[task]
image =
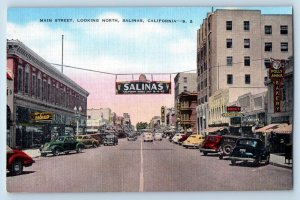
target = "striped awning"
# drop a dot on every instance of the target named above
(284, 129)
(269, 128)
(214, 129)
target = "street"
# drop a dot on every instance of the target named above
(136, 166)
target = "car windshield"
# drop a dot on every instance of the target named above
(252, 143)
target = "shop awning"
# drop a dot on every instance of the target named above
(214, 129)
(269, 128)
(8, 76)
(284, 129)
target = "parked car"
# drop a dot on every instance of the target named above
(183, 138)
(193, 141)
(16, 160)
(211, 144)
(158, 136)
(227, 144)
(148, 137)
(250, 150)
(98, 137)
(176, 137)
(63, 144)
(110, 140)
(131, 137)
(88, 141)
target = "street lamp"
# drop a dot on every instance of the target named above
(77, 115)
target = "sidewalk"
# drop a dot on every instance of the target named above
(279, 161)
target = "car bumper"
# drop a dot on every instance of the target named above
(191, 145)
(208, 150)
(241, 159)
(45, 151)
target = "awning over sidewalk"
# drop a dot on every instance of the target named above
(214, 129)
(269, 128)
(284, 129)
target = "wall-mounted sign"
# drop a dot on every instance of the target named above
(163, 114)
(42, 116)
(276, 74)
(233, 109)
(232, 114)
(143, 86)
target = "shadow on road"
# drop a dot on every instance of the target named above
(24, 173)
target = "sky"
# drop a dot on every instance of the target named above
(117, 47)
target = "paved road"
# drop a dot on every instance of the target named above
(136, 166)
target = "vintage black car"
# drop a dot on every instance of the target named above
(110, 140)
(227, 144)
(250, 150)
(63, 144)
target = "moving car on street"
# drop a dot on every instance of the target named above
(211, 144)
(193, 141)
(183, 138)
(250, 150)
(63, 144)
(148, 137)
(16, 160)
(88, 141)
(158, 136)
(110, 140)
(132, 137)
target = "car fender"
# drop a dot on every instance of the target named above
(13, 158)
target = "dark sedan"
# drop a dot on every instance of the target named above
(110, 140)
(250, 150)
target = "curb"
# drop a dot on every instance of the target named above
(281, 165)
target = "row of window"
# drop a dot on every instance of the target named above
(268, 28)
(230, 79)
(284, 47)
(42, 89)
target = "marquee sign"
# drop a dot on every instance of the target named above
(143, 86)
(233, 109)
(42, 116)
(276, 74)
(163, 114)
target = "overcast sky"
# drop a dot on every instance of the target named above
(116, 47)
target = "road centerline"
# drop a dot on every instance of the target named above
(141, 186)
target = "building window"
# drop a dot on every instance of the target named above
(246, 25)
(246, 43)
(49, 91)
(229, 43)
(247, 61)
(185, 89)
(284, 30)
(44, 90)
(268, 46)
(229, 25)
(284, 46)
(185, 79)
(229, 79)
(283, 93)
(201, 85)
(247, 79)
(205, 82)
(20, 79)
(205, 98)
(33, 85)
(267, 63)
(26, 83)
(229, 60)
(268, 30)
(39, 82)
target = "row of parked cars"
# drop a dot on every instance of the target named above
(235, 148)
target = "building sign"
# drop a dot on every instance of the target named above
(162, 114)
(276, 74)
(232, 114)
(233, 109)
(143, 86)
(42, 116)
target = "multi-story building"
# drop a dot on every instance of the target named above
(184, 82)
(187, 112)
(155, 122)
(170, 118)
(234, 48)
(9, 107)
(98, 119)
(44, 98)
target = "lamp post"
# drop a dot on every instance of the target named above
(77, 115)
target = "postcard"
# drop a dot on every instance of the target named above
(149, 99)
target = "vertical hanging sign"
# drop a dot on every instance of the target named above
(163, 114)
(276, 74)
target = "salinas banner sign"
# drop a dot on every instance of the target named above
(143, 86)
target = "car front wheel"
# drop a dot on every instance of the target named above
(17, 167)
(79, 150)
(56, 152)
